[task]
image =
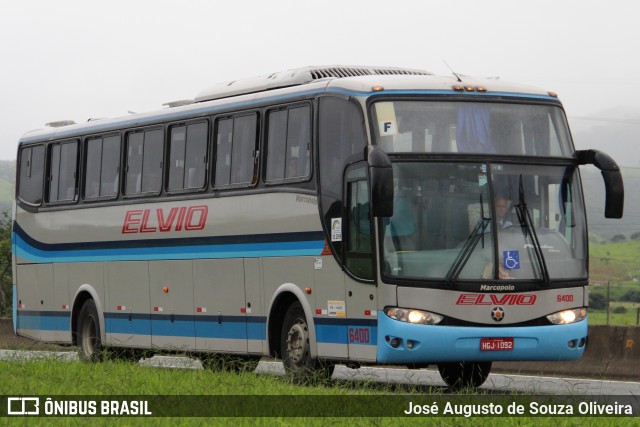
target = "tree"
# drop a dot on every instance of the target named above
(618, 238)
(6, 288)
(631, 296)
(597, 301)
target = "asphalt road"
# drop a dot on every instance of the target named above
(496, 383)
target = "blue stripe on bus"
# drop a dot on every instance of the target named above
(329, 331)
(44, 320)
(335, 330)
(248, 246)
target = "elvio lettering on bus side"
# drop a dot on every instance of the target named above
(178, 218)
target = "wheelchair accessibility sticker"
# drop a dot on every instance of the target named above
(511, 260)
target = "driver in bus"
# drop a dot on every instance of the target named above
(502, 212)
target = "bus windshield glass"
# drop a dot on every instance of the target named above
(484, 221)
(471, 127)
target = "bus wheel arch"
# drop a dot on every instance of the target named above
(83, 294)
(286, 296)
(295, 342)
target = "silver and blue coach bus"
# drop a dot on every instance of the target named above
(357, 215)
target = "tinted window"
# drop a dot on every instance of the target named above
(102, 167)
(31, 173)
(63, 162)
(341, 135)
(236, 150)
(288, 143)
(144, 162)
(187, 156)
(359, 257)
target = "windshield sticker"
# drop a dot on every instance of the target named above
(336, 229)
(387, 122)
(511, 260)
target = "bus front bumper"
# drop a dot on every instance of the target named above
(433, 343)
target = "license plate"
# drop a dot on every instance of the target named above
(496, 344)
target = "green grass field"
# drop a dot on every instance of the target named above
(615, 262)
(55, 378)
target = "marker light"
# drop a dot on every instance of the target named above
(555, 95)
(568, 316)
(377, 88)
(481, 89)
(413, 316)
(458, 88)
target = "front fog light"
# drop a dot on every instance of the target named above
(413, 316)
(568, 316)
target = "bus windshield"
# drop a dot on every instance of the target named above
(485, 221)
(471, 127)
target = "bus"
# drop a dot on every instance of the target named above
(322, 215)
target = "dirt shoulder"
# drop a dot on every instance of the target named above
(10, 341)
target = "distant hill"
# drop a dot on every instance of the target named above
(593, 187)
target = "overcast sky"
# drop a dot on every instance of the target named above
(74, 60)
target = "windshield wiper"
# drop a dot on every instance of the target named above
(476, 235)
(524, 216)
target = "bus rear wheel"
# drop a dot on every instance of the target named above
(89, 339)
(296, 352)
(459, 375)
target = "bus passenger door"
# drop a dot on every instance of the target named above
(361, 304)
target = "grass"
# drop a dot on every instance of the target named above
(599, 317)
(55, 378)
(615, 262)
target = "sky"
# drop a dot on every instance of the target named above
(77, 60)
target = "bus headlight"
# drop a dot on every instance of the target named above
(568, 316)
(410, 315)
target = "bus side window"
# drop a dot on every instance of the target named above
(236, 151)
(358, 253)
(63, 163)
(144, 162)
(31, 174)
(102, 167)
(187, 156)
(288, 143)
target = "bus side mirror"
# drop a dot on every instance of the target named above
(381, 175)
(614, 202)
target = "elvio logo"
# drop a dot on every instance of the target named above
(23, 406)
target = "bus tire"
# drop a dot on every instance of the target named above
(296, 352)
(460, 375)
(89, 339)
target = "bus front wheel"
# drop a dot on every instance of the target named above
(295, 349)
(89, 332)
(459, 375)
